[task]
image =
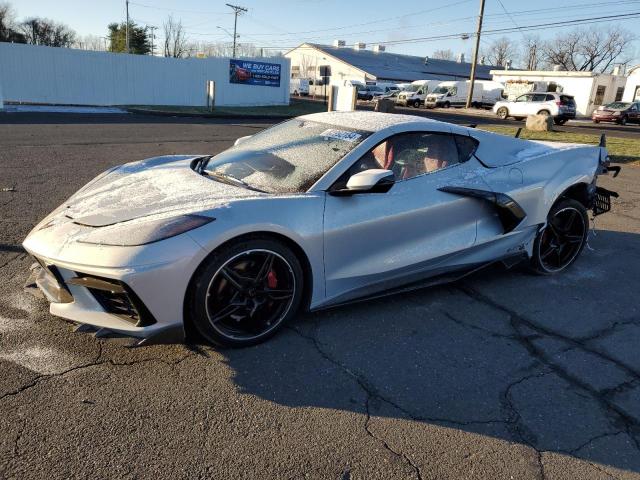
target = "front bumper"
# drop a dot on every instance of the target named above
(140, 297)
(607, 118)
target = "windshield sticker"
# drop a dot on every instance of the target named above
(341, 135)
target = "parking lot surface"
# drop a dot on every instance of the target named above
(502, 375)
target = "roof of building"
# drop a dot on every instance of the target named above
(394, 66)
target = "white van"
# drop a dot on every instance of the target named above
(416, 94)
(299, 86)
(454, 94)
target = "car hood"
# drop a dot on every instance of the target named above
(155, 186)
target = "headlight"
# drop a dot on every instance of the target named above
(615, 114)
(136, 232)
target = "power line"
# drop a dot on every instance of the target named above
(200, 12)
(509, 15)
(580, 21)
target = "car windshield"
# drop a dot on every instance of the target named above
(441, 90)
(618, 105)
(286, 158)
(413, 88)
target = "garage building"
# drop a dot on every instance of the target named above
(327, 64)
(632, 90)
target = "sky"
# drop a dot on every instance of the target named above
(284, 24)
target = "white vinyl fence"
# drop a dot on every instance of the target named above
(35, 74)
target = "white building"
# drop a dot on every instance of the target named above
(632, 90)
(336, 63)
(589, 89)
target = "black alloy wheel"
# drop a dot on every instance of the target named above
(623, 120)
(246, 293)
(560, 242)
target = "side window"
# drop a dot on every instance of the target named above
(550, 98)
(411, 154)
(466, 147)
(524, 98)
(539, 97)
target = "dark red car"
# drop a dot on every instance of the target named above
(618, 112)
(239, 74)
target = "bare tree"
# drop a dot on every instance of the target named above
(443, 54)
(42, 31)
(500, 51)
(593, 49)
(307, 66)
(8, 27)
(532, 54)
(221, 49)
(91, 42)
(175, 39)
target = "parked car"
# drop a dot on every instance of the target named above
(299, 86)
(369, 92)
(560, 106)
(618, 112)
(356, 204)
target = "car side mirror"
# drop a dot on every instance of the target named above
(241, 140)
(374, 180)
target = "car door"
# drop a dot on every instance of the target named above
(376, 241)
(634, 113)
(519, 106)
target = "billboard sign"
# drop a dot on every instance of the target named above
(248, 72)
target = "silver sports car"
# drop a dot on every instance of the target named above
(317, 211)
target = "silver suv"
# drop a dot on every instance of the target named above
(560, 106)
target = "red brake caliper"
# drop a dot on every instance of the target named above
(272, 280)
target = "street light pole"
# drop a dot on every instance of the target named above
(237, 10)
(126, 28)
(474, 61)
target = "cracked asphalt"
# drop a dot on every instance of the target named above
(503, 375)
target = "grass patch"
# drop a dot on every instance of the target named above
(296, 108)
(621, 150)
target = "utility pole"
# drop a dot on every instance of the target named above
(474, 62)
(152, 28)
(237, 10)
(126, 28)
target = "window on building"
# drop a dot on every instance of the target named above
(619, 94)
(600, 95)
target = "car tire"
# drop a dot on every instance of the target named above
(559, 121)
(446, 105)
(623, 121)
(234, 278)
(295, 92)
(596, 121)
(502, 113)
(562, 239)
(416, 104)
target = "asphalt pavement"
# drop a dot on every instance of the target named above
(503, 375)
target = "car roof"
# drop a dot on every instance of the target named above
(369, 121)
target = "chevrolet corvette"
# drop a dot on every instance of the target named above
(314, 212)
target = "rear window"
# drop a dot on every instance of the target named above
(567, 99)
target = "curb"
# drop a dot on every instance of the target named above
(161, 113)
